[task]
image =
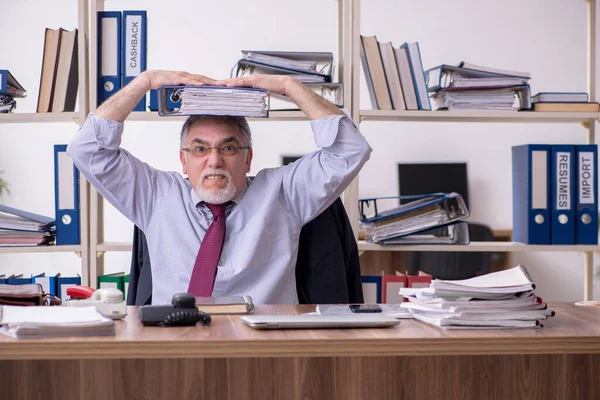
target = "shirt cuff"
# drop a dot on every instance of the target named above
(326, 129)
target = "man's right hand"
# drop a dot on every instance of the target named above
(122, 103)
(157, 78)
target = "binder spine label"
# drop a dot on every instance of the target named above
(133, 26)
(586, 177)
(563, 181)
(539, 180)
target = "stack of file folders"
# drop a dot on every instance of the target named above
(314, 69)
(427, 219)
(9, 90)
(213, 100)
(21, 228)
(503, 299)
(473, 87)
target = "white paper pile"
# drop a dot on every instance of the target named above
(496, 300)
(243, 102)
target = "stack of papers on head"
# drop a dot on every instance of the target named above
(43, 322)
(495, 300)
(214, 100)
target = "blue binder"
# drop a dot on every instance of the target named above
(109, 54)
(531, 193)
(7, 79)
(48, 283)
(586, 218)
(66, 197)
(562, 165)
(153, 105)
(18, 280)
(134, 45)
(64, 282)
(370, 282)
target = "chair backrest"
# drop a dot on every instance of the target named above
(327, 267)
(454, 264)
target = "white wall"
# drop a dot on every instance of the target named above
(544, 37)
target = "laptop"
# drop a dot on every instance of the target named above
(318, 321)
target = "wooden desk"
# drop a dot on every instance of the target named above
(229, 360)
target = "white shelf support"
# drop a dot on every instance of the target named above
(588, 276)
(591, 50)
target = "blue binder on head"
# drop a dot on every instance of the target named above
(531, 193)
(134, 45)
(171, 104)
(562, 165)
(109, 54)
(66, 197)
(586, 218)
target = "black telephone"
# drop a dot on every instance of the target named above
(181, 312)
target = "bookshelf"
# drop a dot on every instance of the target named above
(99, 247)
(587, 120)
(48, 121)
(349, 72)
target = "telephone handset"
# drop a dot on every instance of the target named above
(108, 301)
(181, 312)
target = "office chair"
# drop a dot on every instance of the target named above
(454, 265)
(327, 266)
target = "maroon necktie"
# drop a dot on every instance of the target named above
(205, 267)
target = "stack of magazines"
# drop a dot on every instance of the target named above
(474, 87)
(22, 228)
(503, 299)
(426, 219)
(214, 100)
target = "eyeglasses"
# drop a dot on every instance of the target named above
(226, 150)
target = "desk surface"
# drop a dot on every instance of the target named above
(573, 330)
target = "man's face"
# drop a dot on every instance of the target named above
(216, 178)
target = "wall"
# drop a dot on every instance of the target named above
(546, 38)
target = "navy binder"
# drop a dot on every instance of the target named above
(562, 165)
(6, 80)
(109, 54)
(171, 105)
(66, 197)
(64, 282)
(531, 193)
(586, 219)
(134, 45)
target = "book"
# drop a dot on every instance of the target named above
(67, 73)
(225, 305)
(52, 38)
(560, 97)
(566, 107)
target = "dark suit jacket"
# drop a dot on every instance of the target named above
(327, 267)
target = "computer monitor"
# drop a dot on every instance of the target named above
(433, 178)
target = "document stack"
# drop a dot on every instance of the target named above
(474, 87)
(214, 100)
(314, 69)
(9, 90)
(21, 322)
(503, 299)
(427, 219)
(21, 228)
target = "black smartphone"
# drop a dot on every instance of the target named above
(365, 308)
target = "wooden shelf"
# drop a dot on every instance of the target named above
(478, 116)
(150, 116)
(41, 249)
(19, 118)
(114, 246)
(479, 246)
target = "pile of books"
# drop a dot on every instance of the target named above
(563, 102)
(425, 219)
(395, 76)
(21, 228)
(314, 69)
(9, 90)
(503, 299)
(473, 87)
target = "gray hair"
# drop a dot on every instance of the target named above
(240, 122)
